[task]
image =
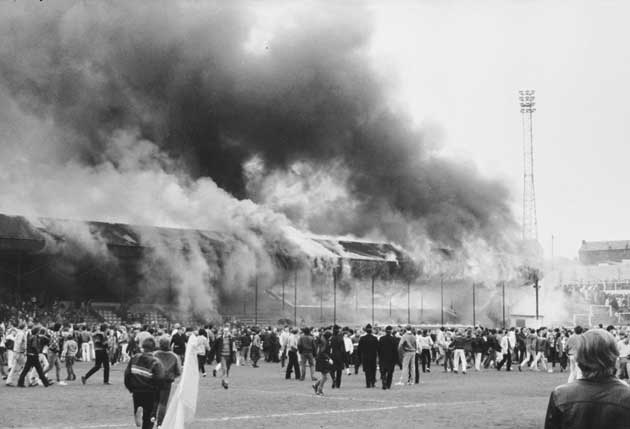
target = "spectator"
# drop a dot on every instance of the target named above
(599, 399)
(624, 355)
(34, 348)
(172, 369)
(144, 377)
(69, 353)
(102, 359)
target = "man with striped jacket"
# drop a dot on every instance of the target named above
(143, 378)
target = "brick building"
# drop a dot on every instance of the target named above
(603, 252)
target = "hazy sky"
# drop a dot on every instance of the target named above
(460, 64)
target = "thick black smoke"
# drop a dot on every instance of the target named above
(182, 76)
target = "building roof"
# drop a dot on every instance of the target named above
(42, 230)
(593, 246)
(359, 250)
(18, 228)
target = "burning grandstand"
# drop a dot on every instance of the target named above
(125, 263)
(248, 160)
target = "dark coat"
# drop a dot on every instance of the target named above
(322, 360)
(275, 342)
(397, 342)
(34, 345)
(478, 345)
(493, 343)
(387, 352)
(266, 341)
(587, 404)
(338, 351)
(368, 349)
(144, 373)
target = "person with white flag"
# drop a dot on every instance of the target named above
(172, 370)
(183, 403)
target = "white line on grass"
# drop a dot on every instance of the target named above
(284, 415)
(310, 395)
(341, 411)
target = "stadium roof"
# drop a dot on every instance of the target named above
(39, 231)
(17, 228)
(360, 250)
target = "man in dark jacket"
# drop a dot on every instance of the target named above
(387, 357)
(178, 343)
(493, 347)
(144, 377)
(275, 346)
(33, 349)
(307, 349)
(100, 352)
(368, 350)
(172, 370)
(245, 340)
(597, 400)
(460, 341)
(356, 359)
(519, 351)
(338, 354)
(266, 339)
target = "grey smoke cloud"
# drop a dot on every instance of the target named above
(183, 76)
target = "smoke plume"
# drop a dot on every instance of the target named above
(228, 116)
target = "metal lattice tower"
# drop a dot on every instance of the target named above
(530, 223)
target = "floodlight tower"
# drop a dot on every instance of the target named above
(530, 224)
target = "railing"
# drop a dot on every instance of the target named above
(600, 309)
(623, 317)
(599, 314)
(614, 284)
(581, 319)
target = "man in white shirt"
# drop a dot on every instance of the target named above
(291, 347)
(424, 344)
(441, 345)
(347, 342)
(19, 354)
(506, 351)
(574, 370)
(284, 338)
(624, 354)
(407, 348)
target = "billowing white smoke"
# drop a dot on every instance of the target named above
(137, 185)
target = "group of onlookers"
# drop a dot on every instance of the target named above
(458, 350)
(598, 294)
(29, 351)
(593, 397)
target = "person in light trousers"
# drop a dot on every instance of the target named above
(459, 356)
(407, 349)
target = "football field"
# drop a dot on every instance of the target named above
(261, 397)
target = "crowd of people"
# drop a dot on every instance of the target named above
(154, 355)
(599, 294)
(414, 351)
(55, 311)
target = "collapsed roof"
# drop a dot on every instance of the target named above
(34, 235)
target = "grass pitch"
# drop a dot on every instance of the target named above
(261, 397)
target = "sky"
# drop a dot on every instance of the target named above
(457, 68)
